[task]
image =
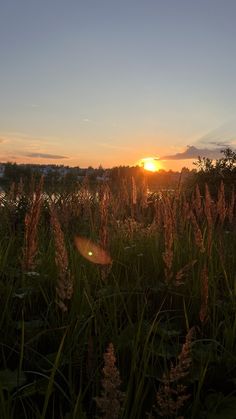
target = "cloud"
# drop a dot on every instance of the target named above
(220, 144)
(210, 144)
(223, 135)
(24, 138)
(46, 156)
(193, 152)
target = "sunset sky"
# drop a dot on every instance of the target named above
(113, 81)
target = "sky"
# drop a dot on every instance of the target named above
(90, 82)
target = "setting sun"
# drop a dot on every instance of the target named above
(150, 164)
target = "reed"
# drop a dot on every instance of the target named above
(168, 253)
(209, 217)
(30, 248)
(110, 402)
(230, 210)
(172, 393)
(221, 205)
(64, 286)
(170, 266)
(197, 202)
(204, 295)
(197, 233)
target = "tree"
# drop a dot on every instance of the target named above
(213, 172)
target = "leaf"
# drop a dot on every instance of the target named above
(39, 386)
(220, 406)
(169, 329)
(11, 379)
(23, 292)
(30, 325)
(205, 352)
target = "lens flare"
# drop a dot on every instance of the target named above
(91, 251)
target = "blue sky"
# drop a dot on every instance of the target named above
(104, 81)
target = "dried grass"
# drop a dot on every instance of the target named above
(64, 287)
(168, 254)
(172, 394)
(209, 209)
(30, 249)
(230, 211)
(197, 233)
(221, 205)
(197, 203)
(110, 402)
(204, 295)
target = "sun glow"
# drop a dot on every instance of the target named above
(150, 164)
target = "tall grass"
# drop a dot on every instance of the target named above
(83, 269)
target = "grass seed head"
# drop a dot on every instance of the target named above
(64, 287)
(111, 400)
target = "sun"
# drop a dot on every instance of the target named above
(150, 164)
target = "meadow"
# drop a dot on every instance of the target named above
(117, 303)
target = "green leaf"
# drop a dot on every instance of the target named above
(11, 379)
(21, 293)
(220, 407)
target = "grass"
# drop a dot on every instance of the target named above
(173, 270)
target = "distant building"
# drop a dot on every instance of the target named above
(104, 178)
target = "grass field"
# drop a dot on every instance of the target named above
(115, 305)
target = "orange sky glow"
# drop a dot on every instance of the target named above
(22, 148)
(150, 164)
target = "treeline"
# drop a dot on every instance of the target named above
(68, 178)
(64, 178)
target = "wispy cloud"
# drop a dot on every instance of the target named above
(45, 156)
(20, 145)
(22, 137)
(193, 153)
(223, 135)
(222, 144)
(209, 145)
